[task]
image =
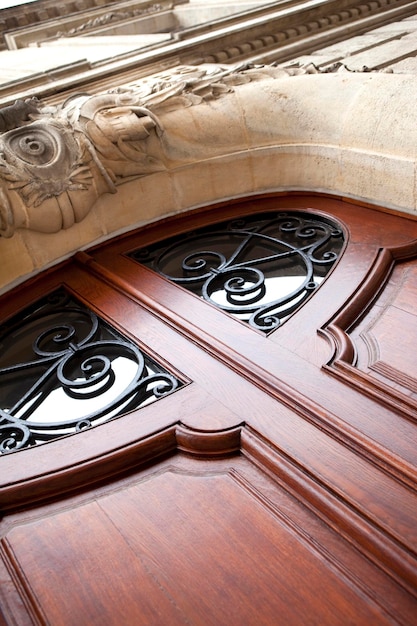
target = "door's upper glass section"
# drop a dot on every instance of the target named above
(63, 369)
(260, 269)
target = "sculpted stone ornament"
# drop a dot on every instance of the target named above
(55, 162)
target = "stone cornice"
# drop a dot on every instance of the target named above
(293, 29)
(85, 21)
(302, 36)
(36, 12)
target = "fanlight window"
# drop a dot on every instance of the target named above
(63, 369)
(260, 268)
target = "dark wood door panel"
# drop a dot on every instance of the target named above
(378, 352)
(347, 474)
(275, 368)
(277, 485)
(195, 542)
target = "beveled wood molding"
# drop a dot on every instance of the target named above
(342, 362)
(336, 330)
(206, 444)
(361, 530)
(41, 487)
(371, 539)
(45, 472)
(365, 295)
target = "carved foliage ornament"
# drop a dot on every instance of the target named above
(41, 161)
(55, 162)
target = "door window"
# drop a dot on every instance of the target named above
(260, 268)
(63, 369)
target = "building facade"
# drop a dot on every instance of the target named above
(276, 482)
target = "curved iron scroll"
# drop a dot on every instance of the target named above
(260, 268)
(63, 369)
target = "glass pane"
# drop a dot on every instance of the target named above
(260, 268)
(63, 369)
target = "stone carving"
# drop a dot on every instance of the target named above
(41, 158)
(54, 165)
(55, 162)
(357, 11)
(111, 17)
(12, 116)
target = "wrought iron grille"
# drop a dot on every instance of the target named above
(63, 369)
(260, 268)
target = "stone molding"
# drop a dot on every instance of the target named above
(297, 31)
(84, 22)
(55, 162)
(299, 26)
(112, 17)
(24, 15)
(185, 139)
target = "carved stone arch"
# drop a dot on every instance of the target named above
(174, 142)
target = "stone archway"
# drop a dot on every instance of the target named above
(176, 141)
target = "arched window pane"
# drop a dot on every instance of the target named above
(63, 369)
(260, 268)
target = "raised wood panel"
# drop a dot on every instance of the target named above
(390, 333)
(390, 343)
(378, 352)
(199, 543)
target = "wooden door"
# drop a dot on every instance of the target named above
(276, 485)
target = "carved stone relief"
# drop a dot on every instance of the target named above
(112, 17)
(55, 162)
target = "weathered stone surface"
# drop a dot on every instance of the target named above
(384, 54)
(344, 133)
(345, 51)
(55, 162)
(406, 66)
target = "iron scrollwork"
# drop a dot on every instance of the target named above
(63, 369)
(260, 269)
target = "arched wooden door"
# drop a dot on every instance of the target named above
(275, 485)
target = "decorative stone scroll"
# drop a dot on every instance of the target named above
(56, 161)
